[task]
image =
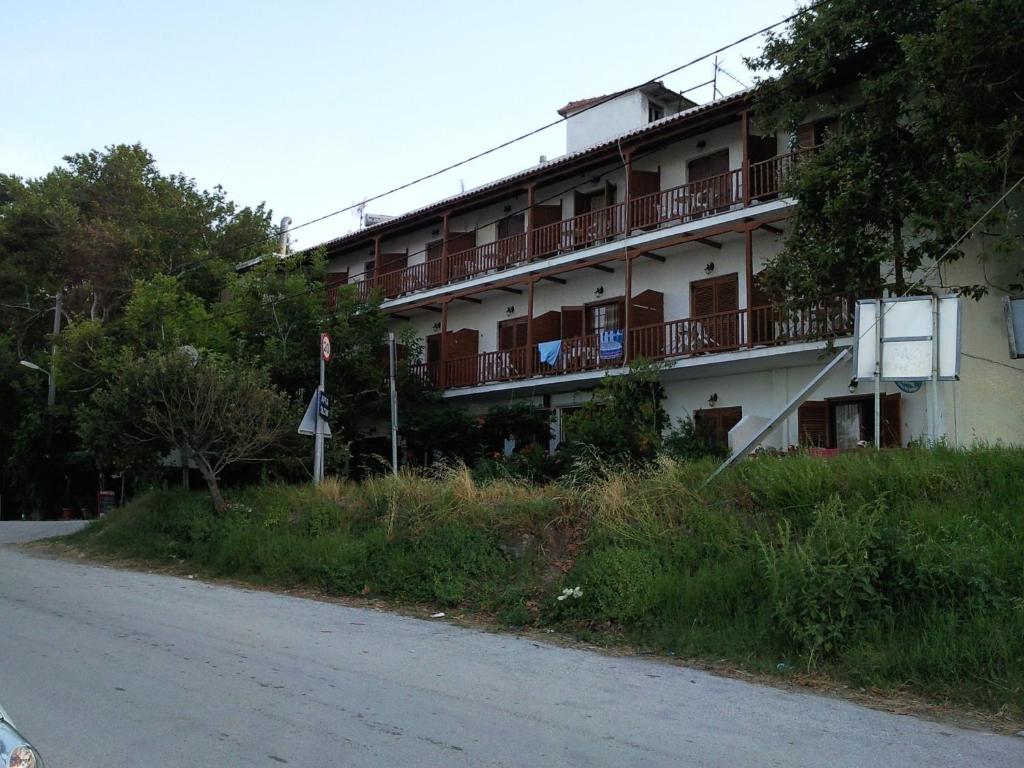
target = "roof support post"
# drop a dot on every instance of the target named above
(627, 346)
(442, 374)
(529, 326)
(377, 259)
(445, 268)
(748, 261)
(530, 189)
(745, 173)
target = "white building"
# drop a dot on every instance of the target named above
(646, 240)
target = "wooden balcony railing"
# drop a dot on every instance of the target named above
(681, 204)
(767, 325)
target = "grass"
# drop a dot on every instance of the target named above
(899, 571)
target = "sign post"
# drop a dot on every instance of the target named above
(322, 411)
(394, 404)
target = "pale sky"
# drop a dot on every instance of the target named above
(313, 106)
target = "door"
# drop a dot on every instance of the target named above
(765, 177)
(435, 252)
(510, 245)
(709, 183)
(512, 334)
(546, 234)
(645, 205)
(763, 315)
(715, 423)
(714, 313)
(460, 253)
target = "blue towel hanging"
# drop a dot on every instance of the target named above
(550, 351)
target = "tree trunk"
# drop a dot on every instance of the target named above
(211, 482)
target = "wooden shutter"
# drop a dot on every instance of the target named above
(727, 294)
(706, 167)
(812, 423)
(461, 241)
(547, 327)
(572, 322)
(702, 298)
(433, 347)
(548, 240)
(546, 214)
(435, 249)
(715, 423)
(506, 336)
(609, 193)
(643, 183)
(462, 343)
(390, 262)
(511, 226)
(519, 337)
(805, 135)
(892, 430)
(648, 309)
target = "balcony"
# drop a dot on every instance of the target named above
(668, 207)
(764, 326)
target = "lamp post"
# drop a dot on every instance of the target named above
(51, 395)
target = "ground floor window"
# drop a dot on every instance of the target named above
(715, 423)
(846, 422)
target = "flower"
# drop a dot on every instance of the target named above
(570, 592)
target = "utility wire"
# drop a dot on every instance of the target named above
(509, 142)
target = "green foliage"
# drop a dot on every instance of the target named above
(903, 569)
(624, 419)
(929, 135)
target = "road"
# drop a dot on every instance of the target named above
(106, 667)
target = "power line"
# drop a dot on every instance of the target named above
(509, 142)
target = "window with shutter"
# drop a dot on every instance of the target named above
(715, 423)
(606, 316)
(572, 322)
(512, 334)
(812, 423)
(892, 431)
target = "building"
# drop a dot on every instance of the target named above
(645, 240)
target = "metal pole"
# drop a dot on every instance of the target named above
(394, 404)
(934, 384)
(318, 433)
(878, 374)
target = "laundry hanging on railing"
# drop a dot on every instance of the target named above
(610, 345)
(550, 351)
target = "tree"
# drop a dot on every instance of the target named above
(218, 413)
(930, 96)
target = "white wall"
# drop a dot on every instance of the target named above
(606, 121)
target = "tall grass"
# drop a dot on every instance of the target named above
(903, 569)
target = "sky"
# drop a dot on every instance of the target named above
(313, 106)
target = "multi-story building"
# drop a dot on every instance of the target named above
(645, 240)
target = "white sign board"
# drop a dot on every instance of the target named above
(910, 335)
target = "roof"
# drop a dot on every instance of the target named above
(655, 89)
(652, 128)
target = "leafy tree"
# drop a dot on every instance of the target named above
(217, 412)
(625, 418)
(929, 134)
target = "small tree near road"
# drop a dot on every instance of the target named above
(217, 412)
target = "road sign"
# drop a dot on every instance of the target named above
(310, 423)
(325, 406)
(325, 347)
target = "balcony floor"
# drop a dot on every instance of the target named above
(754, 360)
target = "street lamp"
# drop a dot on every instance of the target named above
(51, 396)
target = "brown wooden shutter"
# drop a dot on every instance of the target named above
(609, 193)
(506, 336)
(511, 226)
(805, 135)
(892, 430)
(648, 309)
(519, 336)
(702, 299)
(812, 423)
(643, 183)
(547, 327)
(389, 262)
(572, 322)
(580, 203)
(433, 347)
(462, 343)
(546, 214)
(461, 241)
(435, 249)
(727, 294)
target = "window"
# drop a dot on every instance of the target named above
(715, 423)
(607, 316)
(843, 422)
(654, 111)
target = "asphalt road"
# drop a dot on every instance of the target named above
(106, 667)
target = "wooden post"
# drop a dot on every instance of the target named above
(377, 259)
(627, 156)
(529, 326)
(529, 223)
(445, 269)
(748, 243)
(442, 374)
(627, 346)
(745, 173)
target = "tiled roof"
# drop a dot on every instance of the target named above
(538, 170)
